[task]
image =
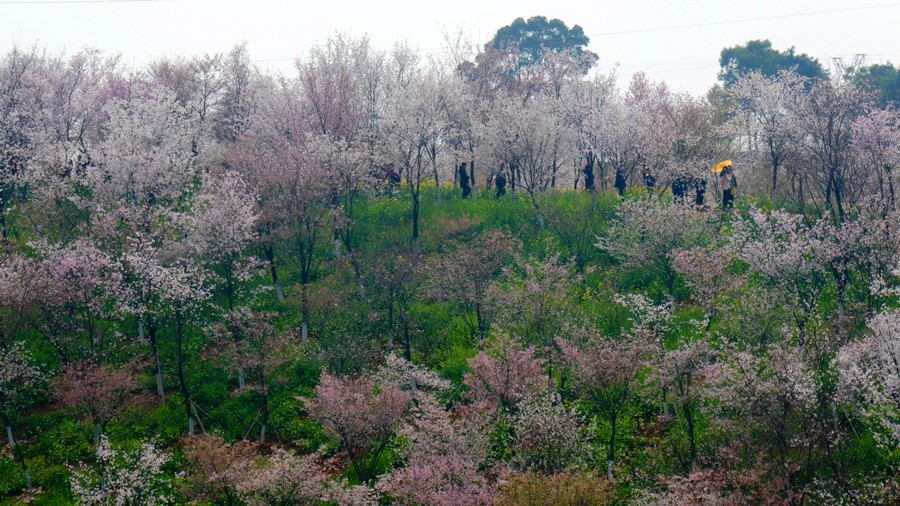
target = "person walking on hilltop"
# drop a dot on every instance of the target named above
(588, 172)
(620, 183)
(729, 187)
(500, 180)
(464, 180)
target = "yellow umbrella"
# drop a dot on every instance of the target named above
(721, 166)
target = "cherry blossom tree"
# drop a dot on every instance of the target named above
(443, 453)
(773, 401)
(97, 391)
(220, 228)
(261, 349)
(876, 144)
(215, 467)
(362, 418)
(548, 436)
(608, 374)
(400, 278)
(124, 477)
(76, 301)
(771, 105)
(170, 293)
(687, 373)
(14, 95)
(464, 278)
(289, 163)
(17, 374)
(504, 374)
(706, 272)
(790, 258)
(646, 231)
(532, 306)
(409, 132)
(869, 375)
(826, 117)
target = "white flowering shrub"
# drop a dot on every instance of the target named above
(124, 478)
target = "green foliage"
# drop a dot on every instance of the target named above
(758, 55)
(531, 37)
(882, 79)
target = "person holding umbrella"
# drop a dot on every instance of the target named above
(729, 182)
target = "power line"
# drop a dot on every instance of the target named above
(64, 2)
(743, 20)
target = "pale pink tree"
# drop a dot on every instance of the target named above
(790, 258)
(361, 417)
(168, 293)
(124, 477)
(287, 164)
(409, 132)
(282, 479)
(706, 272)
(869, 376)
(14, 95)
(220, 228)
(654, 113)
(534, 141)
(876, 145)
(66, 111)
(97, 392)
(442, 453)
(401, 279)
(548, 436)
(826, 117)
(17, 374)
(505, 373)
(261, 350)
(336, 90)
(76, 301)
(619, 138)
(533, 305)
(608, 374)
(646, 231)
(772, 400)
(214, 467)
(464, 278)
(687, 373)
(770, 105)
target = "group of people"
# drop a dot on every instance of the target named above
(681, 185)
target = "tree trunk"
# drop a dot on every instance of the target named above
(270, 256)
(15, 445)
(472, 179)
(182, 382)
(415, 232)
(304, 309)
(612, 448)
(265, 419)
(151, 330)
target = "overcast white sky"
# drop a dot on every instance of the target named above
(277, 31)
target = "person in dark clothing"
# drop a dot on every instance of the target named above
(588, 171)
(679, 189)
(464, 180)
(501, 185)
(699, 192)
(729, 187)
(649, 180)
(620, 182)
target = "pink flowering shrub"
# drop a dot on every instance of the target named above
(504, 374)
(361, 416)
(548, 437)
